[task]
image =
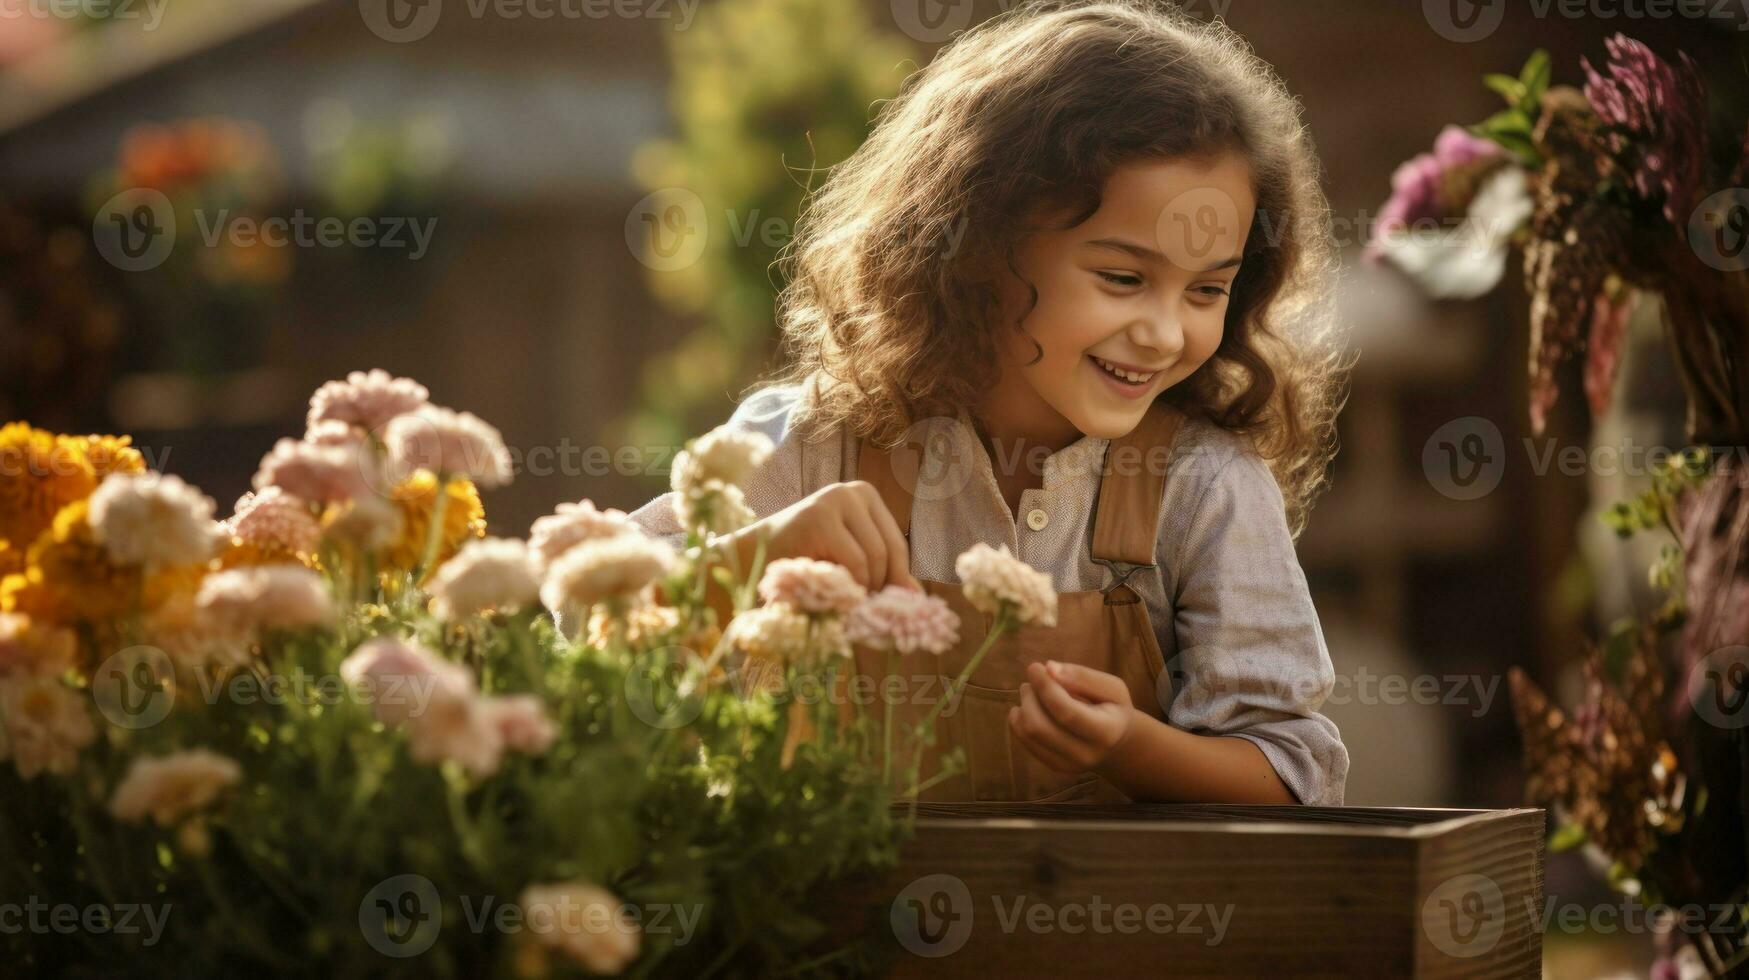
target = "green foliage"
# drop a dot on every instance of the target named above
(766, 94)
(1512, 126)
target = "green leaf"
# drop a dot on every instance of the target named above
(1566, 838)
(1511, 89)
(1535, 75)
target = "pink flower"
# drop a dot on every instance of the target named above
(491, 573)
(266, 597)
(811, 585)
(368, 400)
(522, 722)
(994, 579)
(323, 473)
(1417, 186)
(271, 516)
(571, 525)
(904, 620)
(448, 443)
(583, 921)
(168, 788)
(399, 679)
(44, 723)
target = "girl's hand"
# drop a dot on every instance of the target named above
(846, 523)
(1071, 718)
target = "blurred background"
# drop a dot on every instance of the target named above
(559, 215)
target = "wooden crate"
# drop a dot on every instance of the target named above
(998, 890)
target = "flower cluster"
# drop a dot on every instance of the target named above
(706, 479)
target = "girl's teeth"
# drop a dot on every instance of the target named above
(1130, 376)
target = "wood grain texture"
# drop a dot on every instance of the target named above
(1096, 891)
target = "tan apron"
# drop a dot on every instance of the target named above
(1106, 630)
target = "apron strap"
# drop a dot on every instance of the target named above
(1130, 491)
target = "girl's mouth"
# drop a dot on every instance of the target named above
(1127, 383)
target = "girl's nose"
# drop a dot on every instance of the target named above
(1161, 330)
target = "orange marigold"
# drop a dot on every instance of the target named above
(107, 454)
(74, 573)
(464, 517)
(39, 475)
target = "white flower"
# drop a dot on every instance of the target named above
(780, 632)
(993, 579)
(271, 516)
(811, 585)
(903, 620)
(490, 573)
(605, 568)
(46, 722)
(571, 525)
(327, 473)
(332, 432)
(267, 597)
(368, 400)
(585, 922)
(194, 640)
(712, 507)
(152, 519)
(1469, 260)
(723, 454)
(449, 443)
(168, 788)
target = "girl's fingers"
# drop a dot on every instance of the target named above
(1037, 725)
(1050, 757)
(847, 551)
(1079, 718)
(1087, 683)
(898, 552)
(873, 545)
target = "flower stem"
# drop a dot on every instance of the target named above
(434, 534)
(1001, 624)
(887, 725)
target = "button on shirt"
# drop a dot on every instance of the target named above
(1227, 598)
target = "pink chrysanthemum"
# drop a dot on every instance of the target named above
(448, 442)
(811, 585)
(272, 517)
(322, 473)
(904, 620)
(571, 525)
(995, 578)
(366, 399)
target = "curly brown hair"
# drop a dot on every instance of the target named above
(1030, 112)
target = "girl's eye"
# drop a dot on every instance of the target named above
(1214, 293)
(1120, 278)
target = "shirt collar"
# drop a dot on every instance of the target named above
(1080, 460)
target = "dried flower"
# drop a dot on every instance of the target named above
(448, 443)
(46, 723)
(368, 400)
(264, 597)
(813, 586)
(903, 620)
(492, 573)
(605, 569)
(152, 520)
(275, 521)
(571, 525)
(1657, 115)
(171, 787)
(584, 922)
(994, 580)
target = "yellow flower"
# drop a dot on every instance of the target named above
(464, 517)
(33, 648)
(107, 454)
(240, 553)
(39, 475)
(74, 574)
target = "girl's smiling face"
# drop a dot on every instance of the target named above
(1140, 288)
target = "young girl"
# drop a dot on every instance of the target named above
(1071, 297)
